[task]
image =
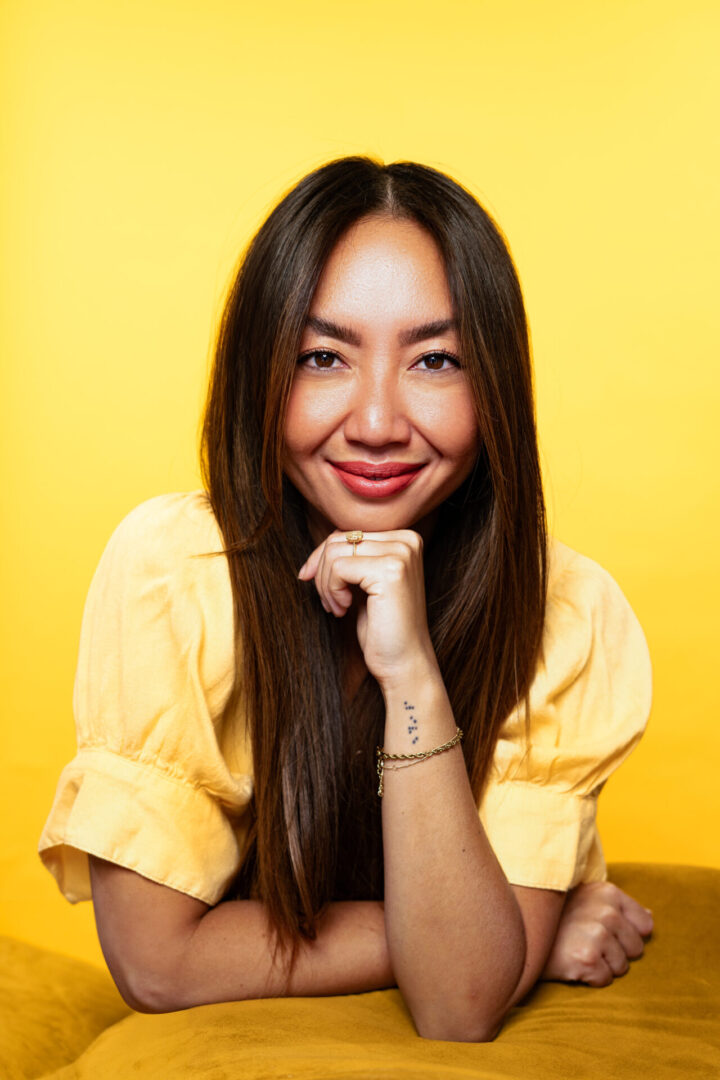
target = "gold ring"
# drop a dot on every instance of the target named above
(355, 537)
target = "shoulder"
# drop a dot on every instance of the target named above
(589, 622)
(169, 528)
(580, 590)
(583, 590)
(161, 592)
(166, 554)
(576, 578)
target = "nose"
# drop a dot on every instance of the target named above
(376, 412)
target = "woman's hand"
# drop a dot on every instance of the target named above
(601, 929)
(392, 626)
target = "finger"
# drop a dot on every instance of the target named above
(613, 919)
(615, 955)
(640, 917)
(601, 953)
(333, 583)
(340, 572)
(336, 600)
(412, 539)
(407, 536)
(600, 974)
(362, 571)
(630, 938)
(309, 567)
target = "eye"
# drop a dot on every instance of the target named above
(322, 359)
(438, 361)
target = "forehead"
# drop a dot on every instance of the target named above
(383, 265)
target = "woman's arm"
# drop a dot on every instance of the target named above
(463, 948)
(456, 933)
(439, 861)
(167, 951)
(163, 959)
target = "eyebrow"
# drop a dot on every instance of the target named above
(408, 337)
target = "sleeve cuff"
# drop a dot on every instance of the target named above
(132, 814)
(542, 838)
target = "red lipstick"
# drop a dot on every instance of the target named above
(375, 480)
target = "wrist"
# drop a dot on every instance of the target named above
(418, 715)
(419, 675)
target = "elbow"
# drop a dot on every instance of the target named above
(149, 996)
(474, 1014)
(467, 1020)
(147, 991)
(458, 1029)
(150, 980)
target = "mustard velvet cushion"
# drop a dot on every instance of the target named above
(51, 1008)
(660, 1021)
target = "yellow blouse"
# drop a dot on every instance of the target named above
(160, 785)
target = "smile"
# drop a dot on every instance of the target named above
(376, 480)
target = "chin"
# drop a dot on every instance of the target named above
(378, 519)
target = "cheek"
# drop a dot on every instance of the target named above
(451, 426)
(309, 419)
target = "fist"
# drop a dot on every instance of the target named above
(601, 930)
(386, 577)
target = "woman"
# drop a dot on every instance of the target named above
(294, 693)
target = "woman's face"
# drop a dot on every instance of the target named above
(381, 425)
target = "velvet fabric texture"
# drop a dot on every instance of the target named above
(660, 1021)
(51, 1009)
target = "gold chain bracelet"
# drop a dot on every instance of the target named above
(382, 757)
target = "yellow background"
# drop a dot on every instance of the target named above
(143, 142)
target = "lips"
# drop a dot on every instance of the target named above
(374, 471)
(376, 480)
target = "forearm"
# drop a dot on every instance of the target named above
(227, 955)
(455, 931)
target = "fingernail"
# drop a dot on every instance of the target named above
(649, 910)
(301, 571)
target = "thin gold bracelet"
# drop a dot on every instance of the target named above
(382, 757)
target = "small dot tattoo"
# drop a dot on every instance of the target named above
(413, 726)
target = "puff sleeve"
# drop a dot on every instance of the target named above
(150, 787)
(589, 705)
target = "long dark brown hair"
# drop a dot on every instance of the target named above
(315, 834)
